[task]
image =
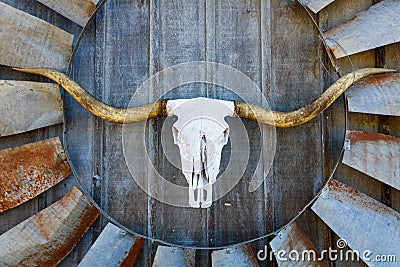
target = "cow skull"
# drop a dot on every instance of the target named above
(200, 132)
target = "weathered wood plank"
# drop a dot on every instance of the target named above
(29, 42)
(169, 256)
(352, 214)
(355, 35)
(374, 154)
(29, 170)
(241, 256)
(292, 238)
(47, 237)
(27, 106)
(376, 95)
(78, 11)
(316, 5)
(114, 247)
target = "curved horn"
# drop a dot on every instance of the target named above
(98, 108)
(310, 111)
(242, 110)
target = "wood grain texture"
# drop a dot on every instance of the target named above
(340, 204)
(316, 5)
(27, 41)
(355, 35)
(26, 106)
(78, 11)
(376, 95)
(46, 238)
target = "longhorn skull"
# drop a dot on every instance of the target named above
(201, 131)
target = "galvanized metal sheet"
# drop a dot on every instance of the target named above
(29, 170)
(27, 106)
(375, 154)
(356, 35)
(364, 223)
(28, 42)
(378, 94)
(241, 256)
(78, 11)
(174, 257)
(114, 247)
(290, 239)
(316, 5)
(47, 237)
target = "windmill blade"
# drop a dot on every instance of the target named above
(29, 170)
(374, 154)
(241, 256)
(169, 256)
(356, 35)
(378, 94)
(365, 224)
(79, 11)
(316, 5)
(292, 238)
(114, 247)
(27, 106)
(29, 42)
(47, 237)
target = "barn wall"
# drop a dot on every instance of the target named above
(275, 44)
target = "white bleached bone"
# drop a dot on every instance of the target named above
(200, 132)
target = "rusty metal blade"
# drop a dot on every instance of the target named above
(169, 256)
(26, 106)
(364, 223)
(47, 237)
(377, 155)
(378, 94)
(29, 170)
(292, 238)
(241, 256)
(114, 247)
(78, 11)
(29, 42)
(356, 35)
(316, 5)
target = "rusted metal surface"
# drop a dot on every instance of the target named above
(26, 106)
(78, 11)
(377, 155)
(364, 223)
(114, 247)
(26, 41)
(356, 36)
(376, 95)
(241, 256)
(47, 237)
(292, 238)
(171, 257)
(316, 5)
(29, 170)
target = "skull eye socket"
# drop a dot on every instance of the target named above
(175, 134)
(225, 136)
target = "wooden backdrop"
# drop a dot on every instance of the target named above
(275, 44)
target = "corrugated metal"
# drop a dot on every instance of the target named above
(356, 35)
(364, 223)
(377, 155)
(241, 256)
(378, 94)
(26, 106)
(47, 237)
(29, 170)
(78, 11)
(292, 238)
(174, 257)
(114, 247)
